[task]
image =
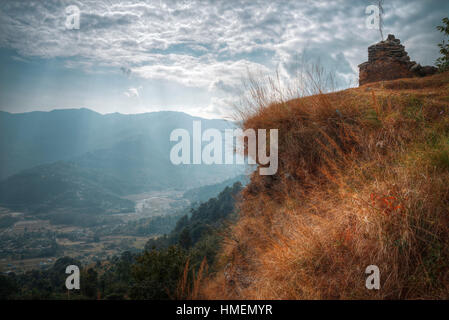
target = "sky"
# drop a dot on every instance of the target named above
(189, 55)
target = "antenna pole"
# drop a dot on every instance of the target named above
(381, 12)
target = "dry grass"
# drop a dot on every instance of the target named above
(189, 288)
(363, 179)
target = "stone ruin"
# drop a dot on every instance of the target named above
(388, 60)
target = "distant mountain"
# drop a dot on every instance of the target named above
(80, 159)
(34, 138)
(61, 186)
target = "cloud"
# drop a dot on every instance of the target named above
(126, 71)
(221, 86)
(133, 92)
(212, 44)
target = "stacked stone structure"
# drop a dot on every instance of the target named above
(388, 60)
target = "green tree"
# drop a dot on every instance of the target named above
(443, 61)
(8, 287)
(89, 283)
(182, 223)
(184, 239)
(156, 273)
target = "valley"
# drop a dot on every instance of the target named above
(29, 242)
(96, 186)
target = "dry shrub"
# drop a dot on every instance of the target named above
(362, 180)
(188, 287)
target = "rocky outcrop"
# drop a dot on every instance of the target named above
(388, 60)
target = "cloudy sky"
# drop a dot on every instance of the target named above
(188, 55)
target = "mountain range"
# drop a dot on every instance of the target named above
(83, 160)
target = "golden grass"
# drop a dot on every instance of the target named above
(189, 289)
(363, 179)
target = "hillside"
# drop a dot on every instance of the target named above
(204, 193)
(362, 180)
(62, 186)
(203, 220)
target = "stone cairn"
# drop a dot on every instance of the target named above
(388, 60)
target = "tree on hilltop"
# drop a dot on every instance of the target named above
(443, 61)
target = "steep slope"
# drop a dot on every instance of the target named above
(362, 180)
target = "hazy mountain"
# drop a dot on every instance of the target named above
(63, 185)
(34, 138)
(82, 159)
